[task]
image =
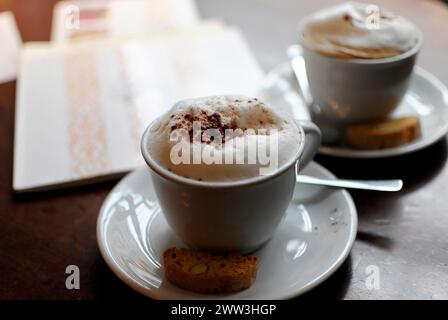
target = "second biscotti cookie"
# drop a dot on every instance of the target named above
(384, 134)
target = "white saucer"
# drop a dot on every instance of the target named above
(427, 98)
(312, 241)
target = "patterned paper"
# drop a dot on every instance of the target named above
(77, 19)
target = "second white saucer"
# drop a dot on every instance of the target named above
(426, 98)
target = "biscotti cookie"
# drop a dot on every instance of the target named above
(383, 134)
(205, 272)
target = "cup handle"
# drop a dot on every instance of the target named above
(312, 142)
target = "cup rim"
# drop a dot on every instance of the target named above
(411, 52)
(173, 177)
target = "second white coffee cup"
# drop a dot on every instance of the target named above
(349, 91)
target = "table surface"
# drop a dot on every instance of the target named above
(403, 234)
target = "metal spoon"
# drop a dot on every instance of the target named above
(298, 67)
(374, 185)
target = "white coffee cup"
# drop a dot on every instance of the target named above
(238, 215)
(348, 91)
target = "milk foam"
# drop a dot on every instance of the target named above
(354, 29)
(224, 112)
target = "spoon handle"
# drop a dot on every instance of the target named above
(374, 185)
(297, 61)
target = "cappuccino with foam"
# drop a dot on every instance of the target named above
(223, 138)
(359, 31)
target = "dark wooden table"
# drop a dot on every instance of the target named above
(403, 234)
